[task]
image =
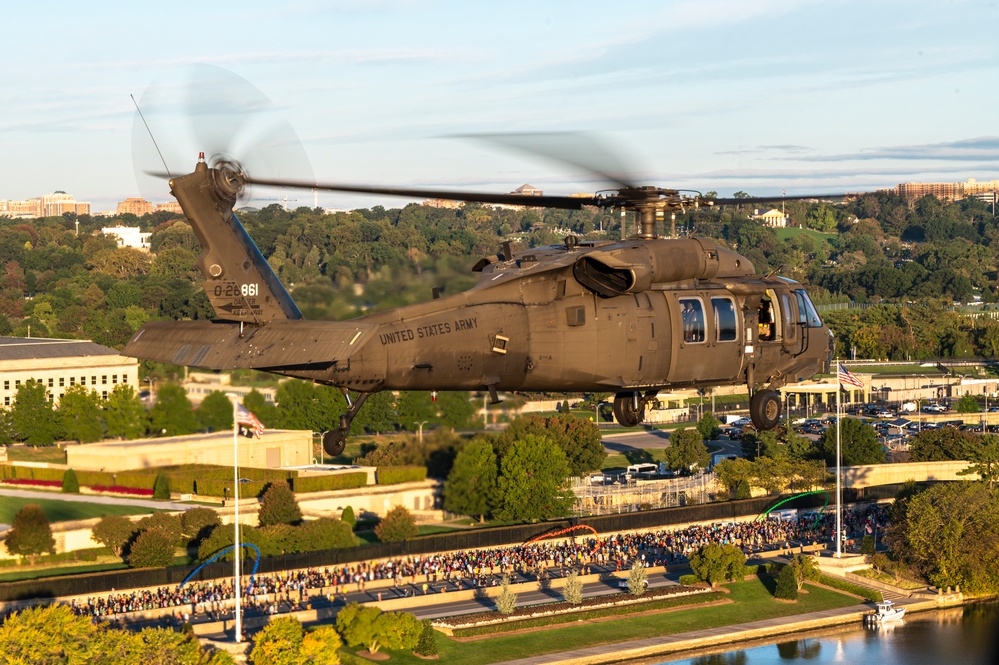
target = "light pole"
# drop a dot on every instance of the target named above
(420, 424)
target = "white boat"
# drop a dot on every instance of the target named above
(886, 612)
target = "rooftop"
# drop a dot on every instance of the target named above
(26, 348)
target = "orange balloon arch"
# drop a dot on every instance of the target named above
(553, 534)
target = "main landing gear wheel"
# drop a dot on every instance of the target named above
(334, 441)
(764, 409)
(629, 408)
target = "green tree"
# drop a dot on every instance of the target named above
(714, 563)
(786, 589)
(215, 412)
(197, 523)
(325, 533)
(152, 548)
(70, 483)
(357, 624)
(805, 568)
(114, 531)
(985, 461)
(470, 488)
(578, 439)
(284, 642)
(279, 506)
(397, 525)
(572, 592)
(47, 634)
(709, 426)
(944, 443)
(687, 450)
(33, 419)
(81, 415)
(172, 414)
(532, 482)
(171, 525)
(427, 646)
(967, 404)
(858, 443)
(733, 473)
(949, 533)
(30, 533)
(124, 413)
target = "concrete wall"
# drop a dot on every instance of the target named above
(891, 474)
(286, 447)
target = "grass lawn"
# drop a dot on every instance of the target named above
(63, 511)
(48, 454)
(53, 571)
(752, 601)
(817, 236)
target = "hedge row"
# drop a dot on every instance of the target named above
(223, 488)
(393, 475)
(10, 472)
(340, 481)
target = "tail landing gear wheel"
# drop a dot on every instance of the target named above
(334, 441)
(629, 409)
(764, 409)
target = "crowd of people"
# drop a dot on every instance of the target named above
(483, 567)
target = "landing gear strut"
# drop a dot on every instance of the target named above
(629, 408)
(764, 409)
(335, 440)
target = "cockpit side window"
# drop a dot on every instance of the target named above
(806, 311)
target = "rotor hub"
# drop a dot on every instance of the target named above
(228, 176)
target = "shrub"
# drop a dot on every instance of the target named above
(30, 533)
(70, 483)
(393, 475)
(169, 524)
(348, 516)
(152, 548)
(573, 591)
(397, 525)
(278, 506)
(427, 646)
(637, 579)
(506, 602)
(867, 545)
(787, 586)
(688, 580)
(325, 533)
(161, 488)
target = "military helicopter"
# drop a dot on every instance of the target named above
(632, 317)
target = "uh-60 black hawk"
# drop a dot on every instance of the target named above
(631, 317)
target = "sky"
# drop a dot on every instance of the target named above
(759, 96)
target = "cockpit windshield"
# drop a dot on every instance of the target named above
(806, 311)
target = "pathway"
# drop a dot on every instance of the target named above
(95, 498)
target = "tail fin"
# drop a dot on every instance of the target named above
(239, 282)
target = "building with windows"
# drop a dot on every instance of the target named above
(60, 363)
(128, 236)
(949, 191)
(50, 205)
(773, 218)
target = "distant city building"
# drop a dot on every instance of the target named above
(50, 205)
(60, 363)
(128, 236)
(948, 191)
(169, 206)
(528, 190)
(134, 206)
(442, 203)
(773, 217)
(199, 385)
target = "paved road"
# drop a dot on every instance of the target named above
(93, 498)
(656, 439)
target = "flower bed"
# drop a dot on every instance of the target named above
(118, 489)
(470, 621)
(33, 483)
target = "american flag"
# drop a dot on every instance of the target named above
(244, 417)
(846, 376)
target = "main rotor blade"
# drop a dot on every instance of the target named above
(778, 199)
(564, 202)
(584, 151)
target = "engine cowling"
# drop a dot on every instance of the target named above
(634, 267)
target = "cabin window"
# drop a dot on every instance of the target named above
(692, 315)
(726, 328)
(787, 315)
(806, 311)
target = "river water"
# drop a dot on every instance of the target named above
(957, 636)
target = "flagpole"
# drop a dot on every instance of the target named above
(839, 424)
(235, 518)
